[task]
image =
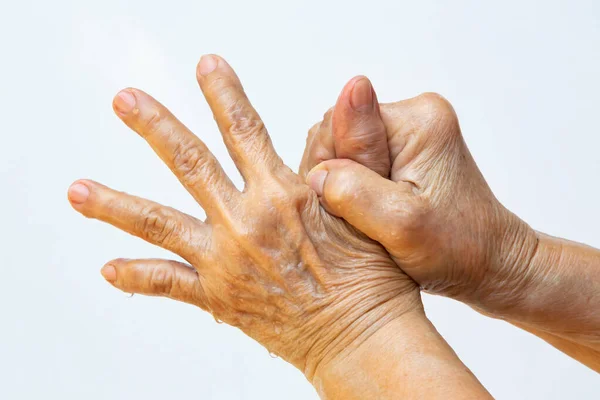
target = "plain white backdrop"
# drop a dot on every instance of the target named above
(522, 75)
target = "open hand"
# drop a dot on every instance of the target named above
(269, 259)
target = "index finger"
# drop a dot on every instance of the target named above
(243, 130)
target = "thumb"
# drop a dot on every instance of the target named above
(358, 130)
(372, 204)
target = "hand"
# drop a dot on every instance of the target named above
(441, 223)
(268, 260)
(435, 214)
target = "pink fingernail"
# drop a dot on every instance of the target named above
(124, 102)
(208, 63)
(78, 193)
(362, 95)
(109, 273)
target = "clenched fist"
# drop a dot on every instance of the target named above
(402, 174)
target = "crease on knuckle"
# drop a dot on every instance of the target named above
(151, 122)
(245, 124)
(157, 225)
(162, 281)
(191, 161)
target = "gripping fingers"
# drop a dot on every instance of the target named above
(319, 145)
(306, 162)
(155, 223)
(154, 277)
(369, 202)
(358, 130)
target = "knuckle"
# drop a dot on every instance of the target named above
(327, 117)
(433, 98)
(340, 186)
(190, 161)
(243, 232)
(150, 122)
(437, 105)
(245, 123)
(321, 153)
(312, 132)
(161, 281)
(408, 221)
(157, 225)
(328, 114)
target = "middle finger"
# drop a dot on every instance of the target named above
(183, 152)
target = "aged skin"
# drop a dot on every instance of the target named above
(271, 261)
(441, 223)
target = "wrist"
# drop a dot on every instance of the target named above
(509, 272)
(369, 316)
(405, 358)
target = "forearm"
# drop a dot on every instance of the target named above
(579, 352)
(406, 359)
(563, 294)
(553, 292)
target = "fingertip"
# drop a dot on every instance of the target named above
(109, 272)
(124, 102)
(345, 98)
(344, 112)
(78, 192)
(207, 64)
(362, 95)
(212, 68)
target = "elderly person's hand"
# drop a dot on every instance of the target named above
(269, 260)
(440, 222)
(435, 214)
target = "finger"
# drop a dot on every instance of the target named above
(183, 152)
(304, 163)
(359, 133)
(155, 223)
(243, 131)
(369, 202)
(320, 146)
(153, 277)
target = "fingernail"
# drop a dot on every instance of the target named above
(78, 193)
(124, 102)
(109, 273)
(316, 180)
(362, 95)
(207, 64)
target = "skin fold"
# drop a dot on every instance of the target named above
(271, 261)
(442, 225)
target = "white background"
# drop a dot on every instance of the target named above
(522, 75)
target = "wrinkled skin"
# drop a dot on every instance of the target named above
(441, 222)
(435, 214)
(268, 260)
